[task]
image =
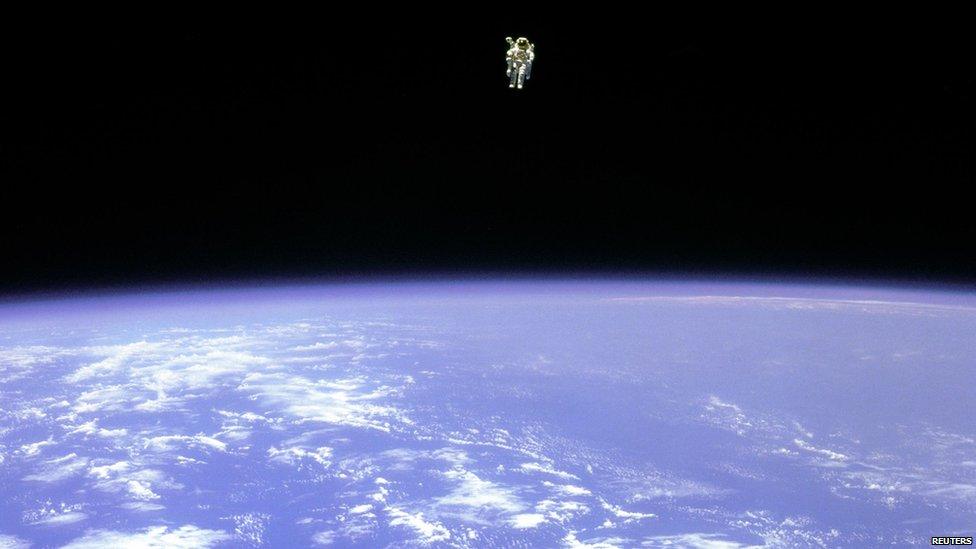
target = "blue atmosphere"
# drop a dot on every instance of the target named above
(489, 414)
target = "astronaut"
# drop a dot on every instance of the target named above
(520, 56)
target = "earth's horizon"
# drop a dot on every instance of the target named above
(576, 413)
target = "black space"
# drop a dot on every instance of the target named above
(149, 153)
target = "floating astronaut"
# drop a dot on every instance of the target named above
(520, 56)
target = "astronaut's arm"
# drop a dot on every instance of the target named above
(509, 40)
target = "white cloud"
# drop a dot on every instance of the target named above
(118, 356)
(404, 458)
(34, 448)
(692, 541)
(26, 414)
(728, 416)
(140, 490)
(126, 478)
(527, 520)
(429, 532)
(318, 346)
(168, 443)
(107, 471)
(478, 494)
(250, 527)
(249, 417)
(546, 469)
(812, 304)
(239, 426)
(173, 370)
(112, 397)
(142, 506)
(55, 514)
(381, 491)
(59, 519)
(567, 489)
(197, 371)
(157, 537)
(358, 526)
(571, 541)
(324, 538)
(91, 428)
(296, 454)
(628, 516)
(18, 362)
(829, 454)
(54, 470)
(12, 542)
(340, 402)
(561, 511)
(234, 432)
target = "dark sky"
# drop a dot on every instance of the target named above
(156, 153)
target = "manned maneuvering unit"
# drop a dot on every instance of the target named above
(521, 54)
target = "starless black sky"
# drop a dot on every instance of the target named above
(146, 153)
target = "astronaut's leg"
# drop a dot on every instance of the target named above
(521, 76)
(513, 75)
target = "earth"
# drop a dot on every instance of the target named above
(483, 414)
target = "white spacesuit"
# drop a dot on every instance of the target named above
(520, 56)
